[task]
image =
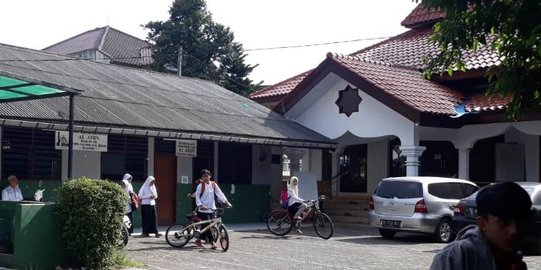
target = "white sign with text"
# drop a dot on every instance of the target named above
(186, 148)
(92, 142)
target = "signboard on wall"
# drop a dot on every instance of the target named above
(92, 142)
(186, 148)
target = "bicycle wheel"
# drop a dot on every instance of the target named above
(177, 235)
(224, 237)
(323, 225)
(279, 222)
(214, 232)
(123, 238)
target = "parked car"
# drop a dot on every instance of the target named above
(417, 204)
(466, 213)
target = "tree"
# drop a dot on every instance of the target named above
(511, 28)
(209, 49)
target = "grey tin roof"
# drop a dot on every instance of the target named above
(135, 100)
(122, 48)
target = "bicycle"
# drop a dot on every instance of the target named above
(281, 222)
(124, 234)
(178, 235)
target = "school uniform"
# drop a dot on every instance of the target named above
(149, 219)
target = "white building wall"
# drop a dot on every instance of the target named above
(373, 124)
(316, 159)
(464, 138)
(85, 163)
(184, 169)
(263, 171)
(531, 151)
(319, 112)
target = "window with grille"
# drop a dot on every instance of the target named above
(125, 154)
(235, 163)
(30, 154)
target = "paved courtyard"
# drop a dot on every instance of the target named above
(352, 247)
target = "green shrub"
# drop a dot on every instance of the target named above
(91, 213)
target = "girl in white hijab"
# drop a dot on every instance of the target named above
(148, 195)
(126, 186)
(296, 204)
(128, 179)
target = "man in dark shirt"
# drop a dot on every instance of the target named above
(503, 210)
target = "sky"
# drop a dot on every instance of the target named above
(256, 24)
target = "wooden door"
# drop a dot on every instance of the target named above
(165, 172)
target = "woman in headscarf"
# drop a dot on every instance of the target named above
(148, 195)
(128, 178)
(296, 204)
(129, 211)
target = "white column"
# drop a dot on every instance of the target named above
(295, 155)
(150, 156)
(464, 163)
(412, 154)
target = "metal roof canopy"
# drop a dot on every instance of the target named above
(15, 88)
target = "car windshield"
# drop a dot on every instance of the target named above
(399, 189)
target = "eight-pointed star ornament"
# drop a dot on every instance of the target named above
(348, 100)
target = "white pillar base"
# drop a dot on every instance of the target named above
(412, 154)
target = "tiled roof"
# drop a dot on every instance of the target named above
(405, 84)
(407, 49)
(422, 16)
(480, 102)
(116, 96)
(122, 48)
(281, 88)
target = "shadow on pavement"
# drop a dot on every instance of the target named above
(397, 241)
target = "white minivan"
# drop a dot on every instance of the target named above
(417, 204)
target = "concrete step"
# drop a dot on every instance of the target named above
(347, 204)
(348, 209)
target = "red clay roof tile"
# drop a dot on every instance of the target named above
(480, 102)
(407, 49)
(420, 16)
(389, 63)
(281, 88)
(405, 84)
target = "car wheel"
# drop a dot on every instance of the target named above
(387, 234)
(443, 232)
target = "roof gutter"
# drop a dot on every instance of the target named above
(169, 134)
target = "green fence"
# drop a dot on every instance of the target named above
(250, 202)
(34, 234)
(28, 188)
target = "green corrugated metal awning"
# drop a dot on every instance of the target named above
(12, 89)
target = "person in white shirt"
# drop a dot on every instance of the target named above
(204, 200)
(12, 192)
(148, 195)
(296, 204)
(128, 178)
(127, 211)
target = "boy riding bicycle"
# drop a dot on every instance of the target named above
(205, 203)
